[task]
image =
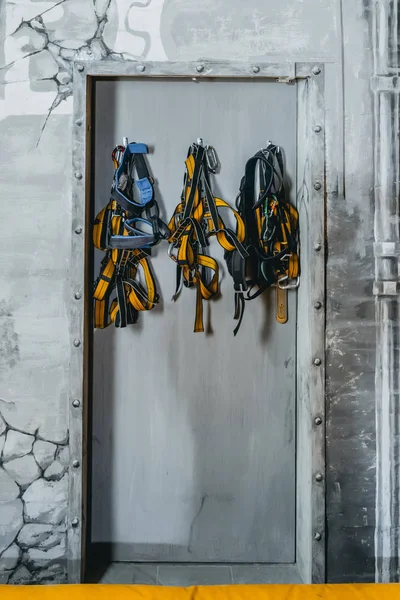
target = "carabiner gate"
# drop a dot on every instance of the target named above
(212, 159)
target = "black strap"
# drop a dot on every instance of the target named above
(195, 182)
(262, 264)
(237, 268)
(239, 311)
(138, 161)
(121, 318)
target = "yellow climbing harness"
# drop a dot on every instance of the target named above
(272, 235)
(195, 220)
(118, 231)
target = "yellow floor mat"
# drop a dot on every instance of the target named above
(228, 592)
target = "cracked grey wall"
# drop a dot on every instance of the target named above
(38, 42)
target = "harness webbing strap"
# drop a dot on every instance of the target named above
(129, 291)
(195, 220)
(119, 294)
(271, 234)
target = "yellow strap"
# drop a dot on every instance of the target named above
(208, 291)
(114, 311)
(198, 322)
(183, 240)
(99, 224)
(185, 251)
(291, 218)
(137, 300)
(100, 310)
(293, 270)
(103, 284)
(281, 305)
(240, 223)
(98, 228)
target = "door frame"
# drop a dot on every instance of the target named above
(311, 188)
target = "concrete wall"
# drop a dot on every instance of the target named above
(39, 39)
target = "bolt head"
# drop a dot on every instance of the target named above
(317, 537)
(75, 522)
(318, 247)
(317, 362)
(80, 68)
(76, 464)
(256, 69)
(77, 343)
(318, 129)
(318, 421)
(200, 68)
(141, 68)
(318, 305)
(316, 71)
(78, 295)
(78, 175)
(78, 122)
(76, 403)
(319, 477)
(317, 185)
(78, 230)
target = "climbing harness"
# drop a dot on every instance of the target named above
(272, 235)
(121, 231)
(262, 253)
(195, 220)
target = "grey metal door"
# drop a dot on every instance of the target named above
(194, 434)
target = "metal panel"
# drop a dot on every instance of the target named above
(385, 84)
(201, 69)
(311, 330)
(311, 564)
(79, 343)
(194, 444)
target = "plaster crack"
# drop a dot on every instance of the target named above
(191, 532)
(12, 63)
(29, 21)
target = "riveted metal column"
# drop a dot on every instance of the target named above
(387, 253)
(316, 235)
(311, 532)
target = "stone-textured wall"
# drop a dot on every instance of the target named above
(39, 39)
(33, 505)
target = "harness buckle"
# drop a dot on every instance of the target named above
(240, 288)
(292, 284)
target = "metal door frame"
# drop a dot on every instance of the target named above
(310, 383)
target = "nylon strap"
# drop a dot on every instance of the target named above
(119, 295)
(271, 234)
(195, 220)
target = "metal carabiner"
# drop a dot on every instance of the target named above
(212, 159)
(116, 155)
(289, 286)
(170, 252)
